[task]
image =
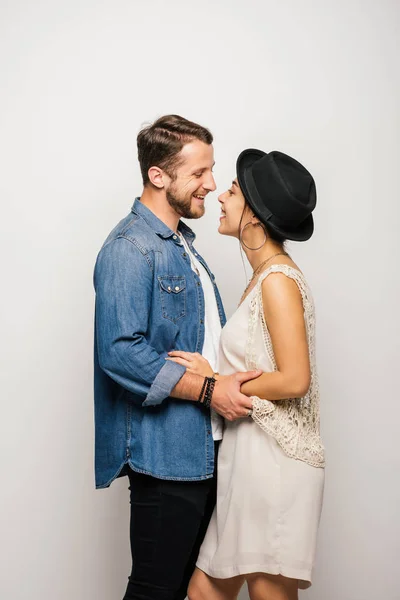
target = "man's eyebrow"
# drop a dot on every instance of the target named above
(203, 168)
(234, 183)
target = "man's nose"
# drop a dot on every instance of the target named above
(210, 183)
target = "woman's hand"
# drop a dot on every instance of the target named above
(193, 361)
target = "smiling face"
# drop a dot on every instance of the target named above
(234, 210)
(193, 180)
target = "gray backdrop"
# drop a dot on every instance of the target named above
(319, 80)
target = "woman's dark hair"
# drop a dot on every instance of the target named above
(271, 233)
(159, 144)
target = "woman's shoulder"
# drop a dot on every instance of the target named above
(285, 270)
(284, 282)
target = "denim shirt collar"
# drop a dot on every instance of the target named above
(157, 225)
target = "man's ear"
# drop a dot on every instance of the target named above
(156, 177)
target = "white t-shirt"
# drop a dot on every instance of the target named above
(212, 328)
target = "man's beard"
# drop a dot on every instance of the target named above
(183, 206)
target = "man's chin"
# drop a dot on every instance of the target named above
(195, 213)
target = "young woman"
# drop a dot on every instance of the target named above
(270, 466)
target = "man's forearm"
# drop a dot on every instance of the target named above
(227, 399)
(188, 387)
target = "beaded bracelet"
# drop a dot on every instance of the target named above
(209, 392)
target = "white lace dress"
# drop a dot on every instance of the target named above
(268, 499)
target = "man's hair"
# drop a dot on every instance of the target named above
(159, 144)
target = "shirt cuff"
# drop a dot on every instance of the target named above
(164, 383)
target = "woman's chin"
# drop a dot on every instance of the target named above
(224, 230)
(221, 229)
(222, 224)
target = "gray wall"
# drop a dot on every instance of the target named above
(316, 79)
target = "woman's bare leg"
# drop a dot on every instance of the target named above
(204, 587)
(272, 587)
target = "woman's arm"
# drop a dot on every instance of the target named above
(284, 316)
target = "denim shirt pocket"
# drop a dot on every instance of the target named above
(173, 297)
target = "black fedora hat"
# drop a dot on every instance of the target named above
(280, 192)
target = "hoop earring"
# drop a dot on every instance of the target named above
(241, 236)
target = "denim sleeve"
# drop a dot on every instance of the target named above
(124, 284)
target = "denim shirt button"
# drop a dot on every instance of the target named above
(201, 321)
(174, 237)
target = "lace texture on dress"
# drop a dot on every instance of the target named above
(294, 423)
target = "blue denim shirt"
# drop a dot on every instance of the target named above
(148, 301)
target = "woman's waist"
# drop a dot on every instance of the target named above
(234, 363)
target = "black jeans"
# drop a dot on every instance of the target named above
(168, 522)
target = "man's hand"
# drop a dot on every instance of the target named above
(227, 398)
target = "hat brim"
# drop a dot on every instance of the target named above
(246, 159)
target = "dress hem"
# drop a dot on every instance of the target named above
(304, 577)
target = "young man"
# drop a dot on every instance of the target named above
(155, 293)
